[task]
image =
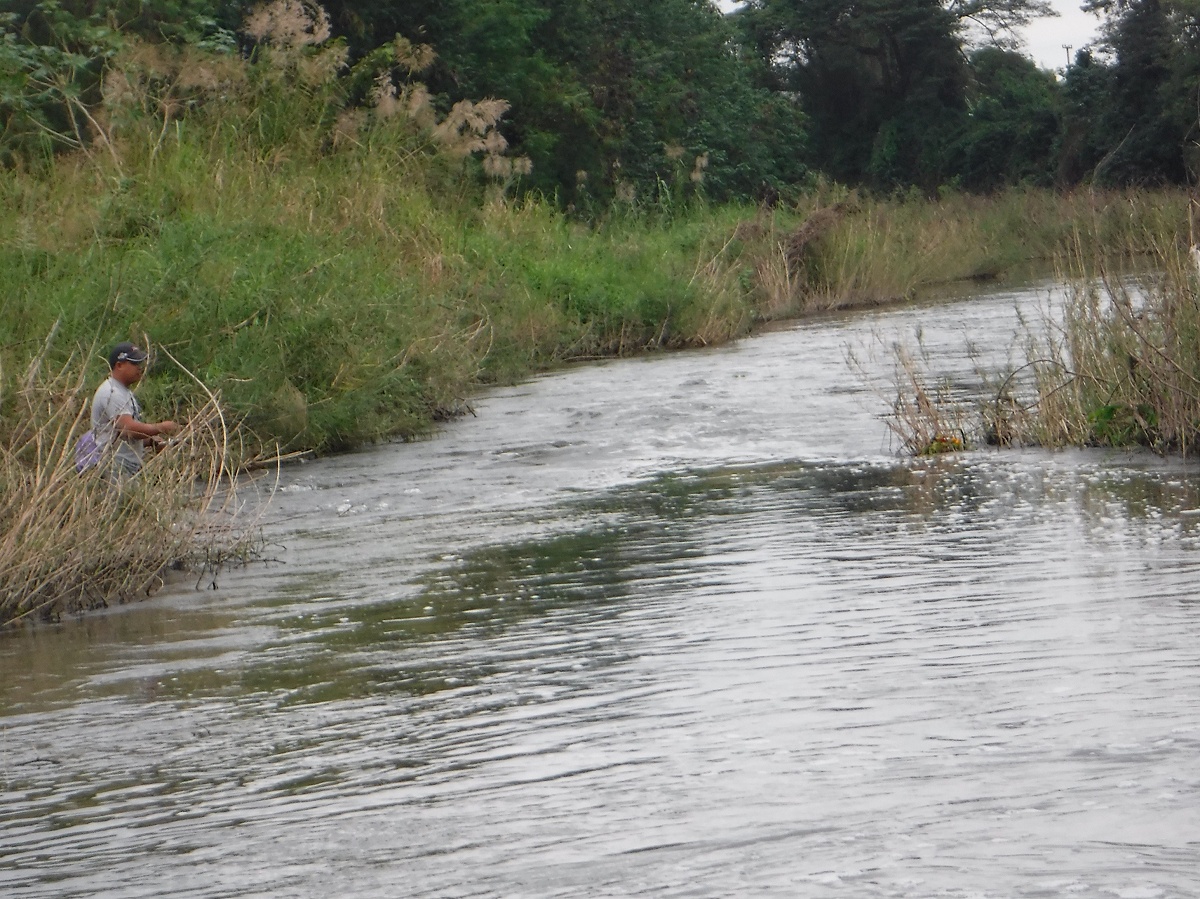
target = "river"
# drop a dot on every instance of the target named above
(685, 625)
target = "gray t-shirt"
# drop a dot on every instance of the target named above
(112, 400)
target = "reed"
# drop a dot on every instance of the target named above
(926, 418)
(1121, 368)
(69, 541)
(884, 249)
(1117, 365)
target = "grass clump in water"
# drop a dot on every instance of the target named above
(1117, 365)
(1123, 368)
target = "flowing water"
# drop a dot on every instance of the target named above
(679, 626)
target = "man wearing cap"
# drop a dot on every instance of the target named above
(117, 425)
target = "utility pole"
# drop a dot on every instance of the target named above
(1068, 48)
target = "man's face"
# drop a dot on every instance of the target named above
(129, 372)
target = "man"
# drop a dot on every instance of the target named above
(121, 435)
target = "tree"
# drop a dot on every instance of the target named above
(999, 18)
(884, 82)
(605, 94)
(1132, 108)
(1013, 122)
(676, 102)
(880, 80)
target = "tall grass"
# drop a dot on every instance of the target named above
(338, 300)
(70, 541)
(345, 262)
(1121, 369)
(876, 250)
(1117, 365)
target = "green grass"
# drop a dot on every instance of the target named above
(380, 312)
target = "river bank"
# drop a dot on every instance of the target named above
(337, 280)
(334, 305)
(320, 323)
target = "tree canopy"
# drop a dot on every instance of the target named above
(607, 95)
(617, 99)
(1133, 102)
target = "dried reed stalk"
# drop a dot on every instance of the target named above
(1122, 367)
(926, 421)
(69, 541)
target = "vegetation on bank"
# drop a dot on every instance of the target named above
(338, 299)
(323, 308)
(623, 95)
(343, 260)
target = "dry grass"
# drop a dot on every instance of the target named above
(288, 24)
(926, 419)
(1118, 364)
(853, 251)
(1121, 368)
(848, 251)
(69, 541)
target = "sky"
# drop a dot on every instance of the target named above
(1044, 39)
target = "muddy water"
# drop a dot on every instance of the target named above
(682, 626)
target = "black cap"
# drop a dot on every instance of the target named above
(126, 352)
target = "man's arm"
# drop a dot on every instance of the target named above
(129, 427)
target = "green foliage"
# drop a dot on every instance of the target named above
(53, 55)
(623, 102)
(877, 81)
(676, 105)
(1131, 115)
(44, 82)
(891, 103)
(1124, 425)
(608, 98)
(339, 274)
(1012, 128)
(882, 82)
